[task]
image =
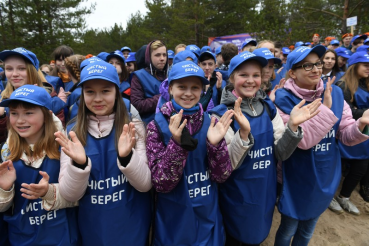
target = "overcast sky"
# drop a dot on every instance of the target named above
(108, 12)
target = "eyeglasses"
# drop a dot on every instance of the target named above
(310, 66)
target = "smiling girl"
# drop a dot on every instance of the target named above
(104, 165)
(247, 198)
(330, 66)
(33, 160)
(313, 172)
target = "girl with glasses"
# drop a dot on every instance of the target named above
(312, 173)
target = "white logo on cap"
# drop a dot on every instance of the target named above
(96, 69)
(23, 92)
(20, 50)
(191, 67)
(302, 49)
(247, 55)
(267, 53)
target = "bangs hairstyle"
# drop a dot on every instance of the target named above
(47, 143)
(205, 57)
(335, 68)
(156, 45)
(134, 65)
(351, 80)
(61, 52)
(81, 126)
(72, 63)
(32, 78)
(124, 75)
(230, 86)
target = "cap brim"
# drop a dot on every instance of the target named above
(98, 77)
(319, 50)
(203, 79)
(276, 60)
(114, 55)
(6, 54)
(209, 54)
(6, 102)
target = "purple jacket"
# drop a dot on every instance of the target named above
(167, 162)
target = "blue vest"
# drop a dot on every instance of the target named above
(338, 77)
(74, 96)
(111, 212)
(361, 150)
(310, 177)
(56, 82)
(73, 111)
(29, 223)
(215, 93)
(68, 85)
(247, 198)
(57, 104)
(3, 231)
(150, 87)
(275, 81)
(124, 86)
(189, 214)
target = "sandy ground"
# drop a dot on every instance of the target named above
(332, 229)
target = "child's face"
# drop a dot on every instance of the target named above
(159, 57)
(186, 91)
(125, 53)
(247, 79)
(267, 71)
(307, 79)
(28, 123)
(130, 67)
(363, 70)
(342, 61)
(99, 96)
(116, 63)
(16, 71)
(208, 66)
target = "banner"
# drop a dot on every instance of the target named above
(238, 39)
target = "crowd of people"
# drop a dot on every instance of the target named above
(184, 147)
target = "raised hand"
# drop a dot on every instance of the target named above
(300, 113)
(175, 126)
(328, 93)
(217, 131)
(241, 120)
(364, 120)
(279, 86)
(219, 79)
(35, 191)
(72, 148)
(7, 175)
(127, 140)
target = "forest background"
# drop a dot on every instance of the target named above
(42, 25)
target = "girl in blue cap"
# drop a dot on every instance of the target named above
(31, 162)
(355, 84)
(188, 156)
(330, 67)
(104, 164)
(248, 197)
(117, 59)
(21, 68)
(312, 173)
(145, 82)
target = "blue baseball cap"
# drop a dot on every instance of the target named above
(307, 44)
(334, 42)
(207, 53)
(298, 44)
(366, 41)
(131, 57)
(31, 94)
(186, 69)
(358, 57)
(342, 51)
(242, 57)
(125, 48)
(205, 48)
(194, 48)
(363, 48)
(100, 70)
(103, 55)
(218, 50)
(358, 36)
(265, 52)
(84, 63)
(28, 55)
(251, 41)
(183, 55)
(286, 50)
(117, 54)
(170, 54)
(301, 53)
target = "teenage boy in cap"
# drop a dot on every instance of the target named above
(248, 44)
(125, 50)
(316, 39)
(346, 40)
(357, 41)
